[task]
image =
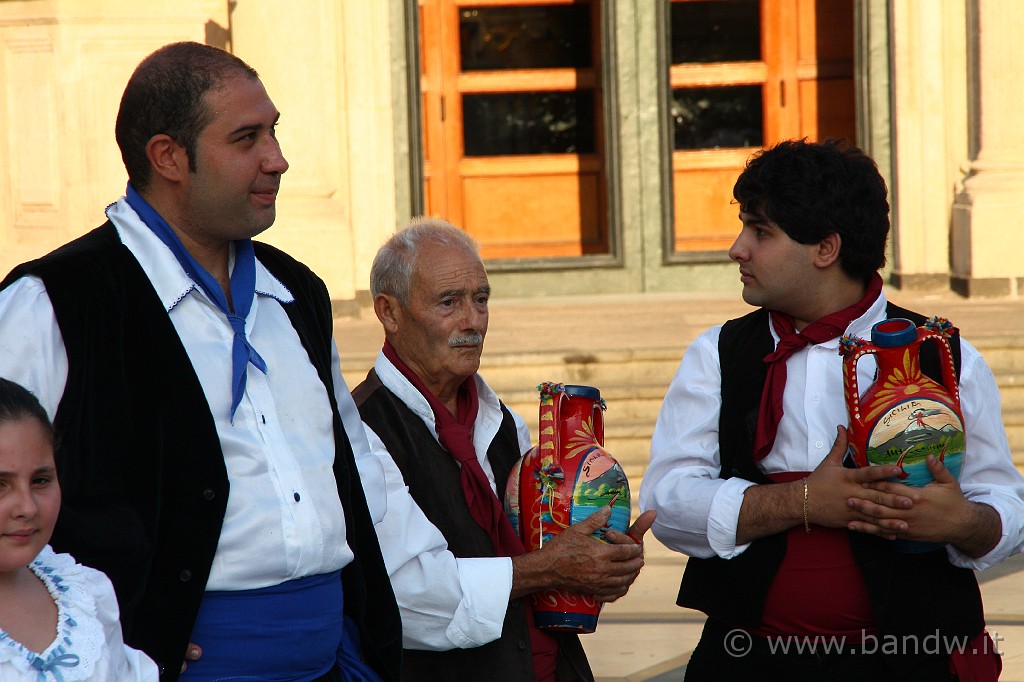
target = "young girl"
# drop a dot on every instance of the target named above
(58, 619)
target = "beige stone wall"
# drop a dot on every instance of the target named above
(327, 66)
(63, 66)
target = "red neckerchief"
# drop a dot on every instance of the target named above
(790, 341)
(455, 434)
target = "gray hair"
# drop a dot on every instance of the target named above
(391, 272)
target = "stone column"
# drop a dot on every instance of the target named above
(988, 225)
(928, 135)
(327, 67)
(872, 69)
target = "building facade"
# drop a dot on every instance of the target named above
(589, 145)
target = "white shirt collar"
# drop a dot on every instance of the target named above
(168, 277)
(396, 382)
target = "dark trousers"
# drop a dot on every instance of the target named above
(725, 653)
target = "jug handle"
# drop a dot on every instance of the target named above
(552, 397)
(598, 421)
(949, 379)
(857, 349)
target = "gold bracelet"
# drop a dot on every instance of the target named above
(807, 525)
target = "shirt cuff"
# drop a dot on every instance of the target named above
(1003, 549)
(486, 587)
(724, 517)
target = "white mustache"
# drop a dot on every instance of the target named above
(475, 338)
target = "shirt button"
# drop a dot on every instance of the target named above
(818, 444)
(209, 494)
(185, 575)
(296, 496)
(815, 397)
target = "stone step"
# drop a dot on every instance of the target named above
(1011, 389)
(522, 372)
(512, 373)
(1002, 353)
(625, 403)
(634, 382)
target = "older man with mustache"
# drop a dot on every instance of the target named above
(457, 567)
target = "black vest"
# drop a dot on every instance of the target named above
(143, 477)
(943, 596)
(433, 478)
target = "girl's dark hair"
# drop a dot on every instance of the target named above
(17, 402)
(812, 190)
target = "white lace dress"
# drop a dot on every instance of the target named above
(88, 643)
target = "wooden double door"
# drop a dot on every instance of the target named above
(515, 121)
(745, 74)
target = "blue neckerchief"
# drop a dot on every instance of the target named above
(243, 288)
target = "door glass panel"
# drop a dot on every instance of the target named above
(529, 123)
(513, 95)
(712, 118)
(719, 31)
(525, 37)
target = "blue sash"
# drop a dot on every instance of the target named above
(292, 632)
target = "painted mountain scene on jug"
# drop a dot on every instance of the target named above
(600, 481)
(910, 432)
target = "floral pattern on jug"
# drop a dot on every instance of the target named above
(562, 480)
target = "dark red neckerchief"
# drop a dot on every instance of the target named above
(455, 434)
(790, 341)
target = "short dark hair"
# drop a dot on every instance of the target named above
(165, 95)
(814, 189)
(17, 402)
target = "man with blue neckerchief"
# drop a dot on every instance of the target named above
(207, 439)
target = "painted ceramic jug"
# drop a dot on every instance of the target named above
(904, 415)
(564, 479)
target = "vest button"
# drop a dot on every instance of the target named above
(522, 645)
(185, 575)
(209, 494)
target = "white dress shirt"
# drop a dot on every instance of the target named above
(698, 512)
(446, 602)
(284, 519)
